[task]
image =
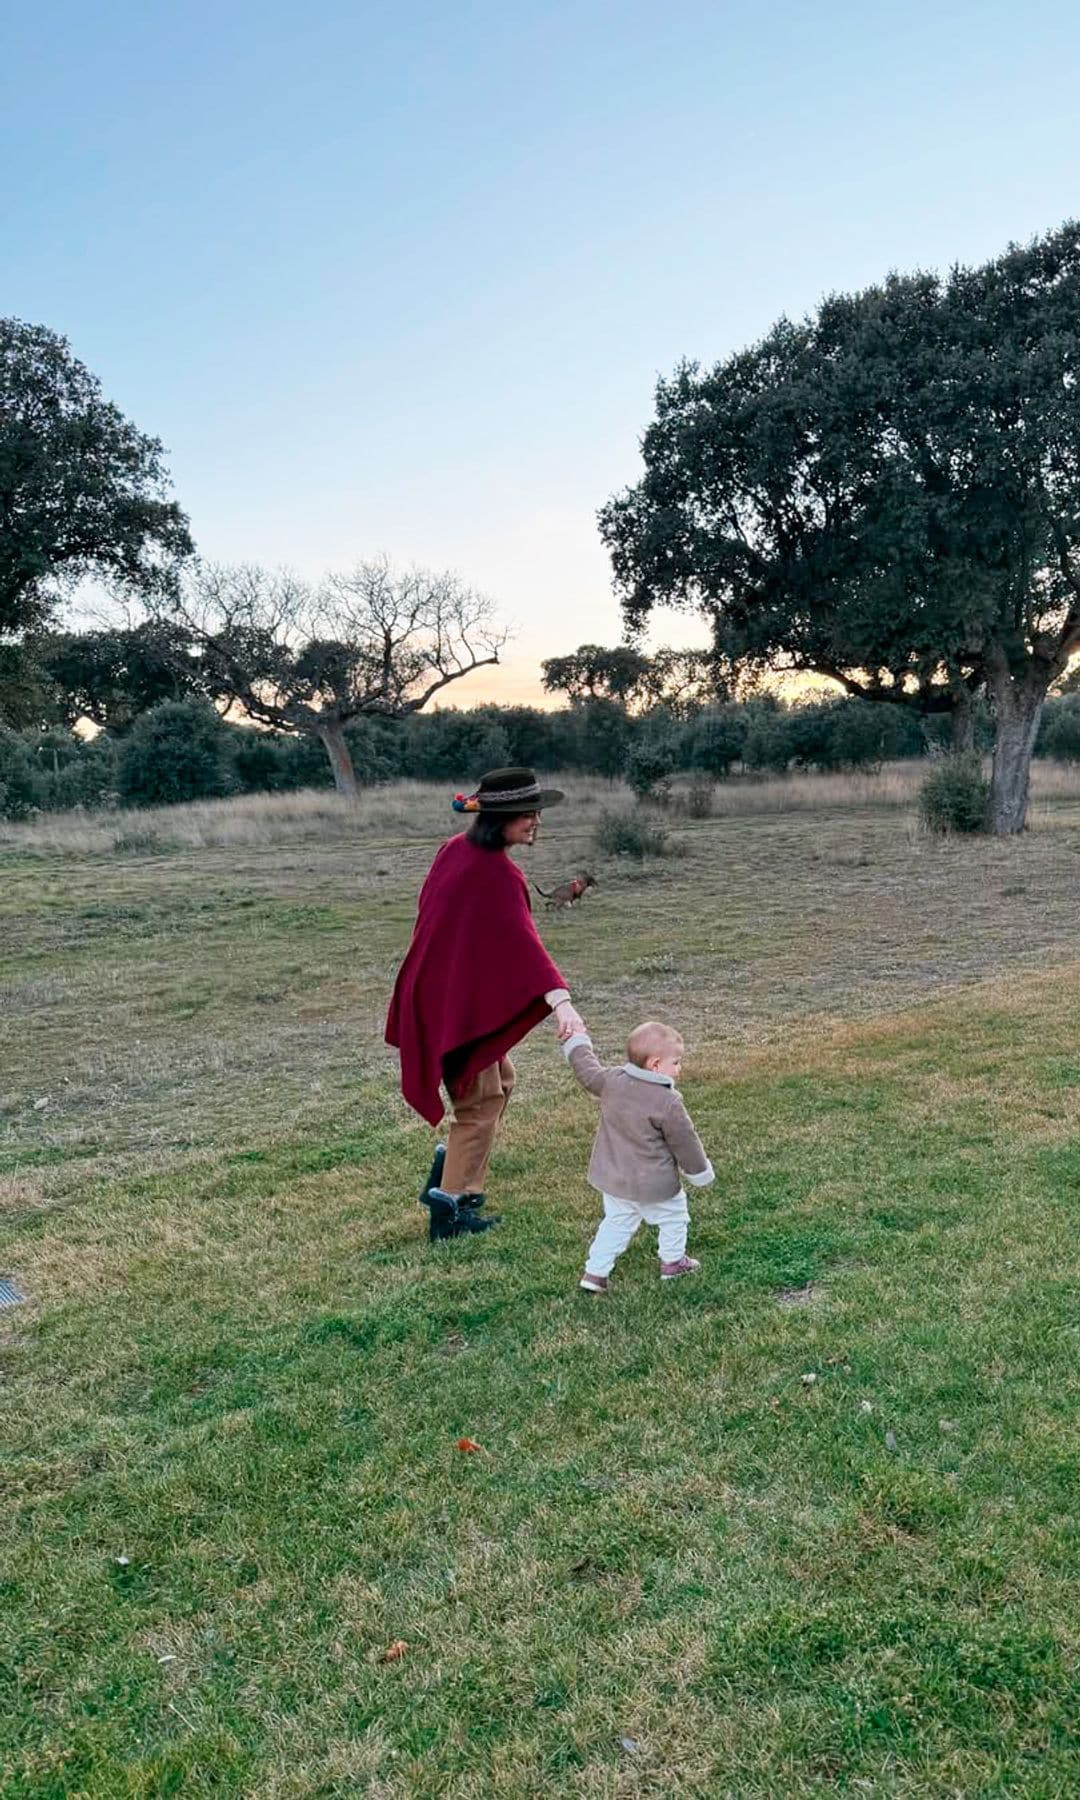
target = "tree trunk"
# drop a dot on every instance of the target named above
(332, 738)
(963, 722)
(1017, 710)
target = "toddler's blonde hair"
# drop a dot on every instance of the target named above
(651, 1039)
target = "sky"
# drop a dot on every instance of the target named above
(401, 278)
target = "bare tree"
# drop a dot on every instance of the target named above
(376, 641)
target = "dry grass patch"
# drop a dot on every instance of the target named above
(409, 810)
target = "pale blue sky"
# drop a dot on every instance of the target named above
(402, 277)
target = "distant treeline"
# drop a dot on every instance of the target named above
(185, 751)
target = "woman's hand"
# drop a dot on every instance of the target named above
(568, 1020)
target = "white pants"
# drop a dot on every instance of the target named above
(622, 1218)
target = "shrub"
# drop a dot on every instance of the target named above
(375, 746)
(136, 841)
(627, 834)
(698, 803)
(261, 760)
(649, 766)
(448, 746)
(87, 779)
(768, 741)
(955, 795)
(716, 739)
(536, 739)
(23, 787)
(307, 763)
(176, 752)
(810, 735)
(1059, 732)
(604, 732)
(863, 735)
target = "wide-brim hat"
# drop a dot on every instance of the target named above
(509, 791)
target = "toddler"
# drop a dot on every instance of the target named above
(645, 1138)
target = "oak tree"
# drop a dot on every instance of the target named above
(887, 493)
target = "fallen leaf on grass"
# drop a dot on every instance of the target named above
(469, 1446)
(395, 1651)
(890, 1440)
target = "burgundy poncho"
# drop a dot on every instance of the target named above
(474, 978)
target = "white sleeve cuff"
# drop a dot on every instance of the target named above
(575, 1043)
(557, 996)
(707, 1175)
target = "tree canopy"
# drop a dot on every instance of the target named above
(114, 676)
(679, 679)
(887, 493)
(81, 490)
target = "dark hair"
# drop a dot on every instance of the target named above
(486, 830)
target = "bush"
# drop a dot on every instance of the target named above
(649, 766)
(697, 803)
(955, 795)
(809, 734)
(1059, 731)
(715, 740)
(450, 746)
(768, 741)
(538, 740)
(627, 834)
(863, 735)
(176, 752)
(87, 779)
(138, 841)
(23, 787)
(604, 733)
(376, 746)
(262, 760)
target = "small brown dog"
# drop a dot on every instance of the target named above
(568, 893)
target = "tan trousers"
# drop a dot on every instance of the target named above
(473, 1127)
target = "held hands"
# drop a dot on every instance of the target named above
(568, 1020)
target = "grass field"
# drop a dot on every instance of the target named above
(231, 1405)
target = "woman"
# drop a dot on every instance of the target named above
(475, 980)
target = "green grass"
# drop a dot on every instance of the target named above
(231, 1411)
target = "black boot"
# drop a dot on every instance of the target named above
(444, 1216)
(435, 1174)
(449, 1219)
(470, 1202)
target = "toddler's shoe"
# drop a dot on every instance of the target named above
(686, 1265)
(595, 1284)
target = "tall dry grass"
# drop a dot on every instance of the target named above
(402, 811)
(408, 810)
